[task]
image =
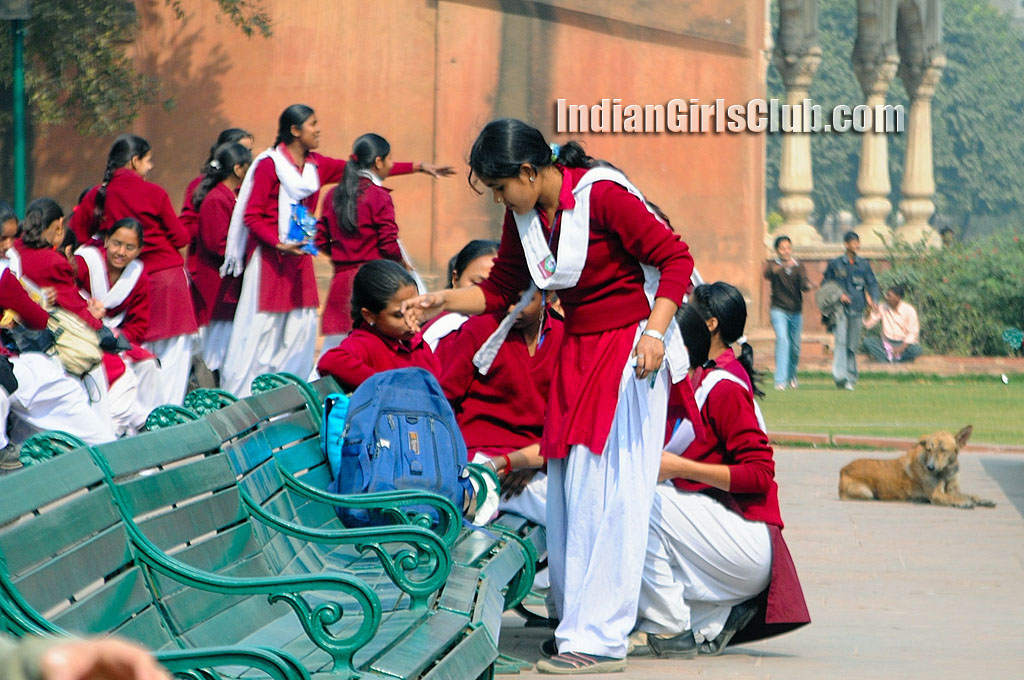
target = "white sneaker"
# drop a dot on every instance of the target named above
(793, 384)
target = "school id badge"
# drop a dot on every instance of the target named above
(547, 266)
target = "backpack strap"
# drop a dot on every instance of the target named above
(716, 376)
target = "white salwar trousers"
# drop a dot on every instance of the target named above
(266, 342)
(702, 559)
(49, 399)
(598, 508)
(126, 412)
(213, 343)
(175, 356)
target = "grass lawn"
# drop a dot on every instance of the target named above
(900, 406)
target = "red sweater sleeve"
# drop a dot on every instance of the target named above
(322, 240)
(382, 215)
(730, 413)
(261, 210)
(83, 222)
(177, 234)
(189, 218)
(644, 237)
(348, 363)
(62, 278)
(508, 277)
(214, 220)
(456, 360)
(14, 297)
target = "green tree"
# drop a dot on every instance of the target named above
(77, 70)
(978, 150)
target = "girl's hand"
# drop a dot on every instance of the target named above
(291, 248)
(96, 308)
(437, 170)
(49, 295)
(649, 353)
(422, 308)
(515, 482)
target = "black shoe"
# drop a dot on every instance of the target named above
(681, 646)
(739, 617)
(549, 647)
(10, 457)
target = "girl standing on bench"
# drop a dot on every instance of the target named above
(577, 225)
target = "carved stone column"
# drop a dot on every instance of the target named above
(873, 185)
(796, 177)
(918, 186)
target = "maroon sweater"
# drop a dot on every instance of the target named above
(128, 195)
(366, 352)
(610, 290)
(46, 267)
(14, 297)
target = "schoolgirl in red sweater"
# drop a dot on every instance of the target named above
(189, 216)
(381, 339)
(214, 297)
(578, 226)
(717, 569)
(276, 319)
(501, 413)
(126, 193)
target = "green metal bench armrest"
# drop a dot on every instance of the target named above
(45, 445)
(426, 548)
(206, 400)
(269, 381)
(479, 473)
(520, 587)
(168, 415)
(389, 503)
(278, 664)
(314, 620)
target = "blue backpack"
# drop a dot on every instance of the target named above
(400, 433)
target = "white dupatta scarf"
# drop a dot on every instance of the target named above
(109, 296)
(295, 187)
(551, 273)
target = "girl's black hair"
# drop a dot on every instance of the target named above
(724, 302)
(296, 115)
(124, 149)
(476, 248)
(365, 151)
(504, 145)
(695, 334)
(225, 137)
(40, 214)
(125, 223)
(70, 241)
(6, 213)
(225, 158)
(375, 284)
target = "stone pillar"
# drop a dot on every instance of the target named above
(873, 206)
(918, 186)
(796, 178)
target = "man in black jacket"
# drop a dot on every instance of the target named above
(857, 279)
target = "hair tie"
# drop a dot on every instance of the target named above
(742, 340)
(215, 164)
(555, 150)
(352, 157)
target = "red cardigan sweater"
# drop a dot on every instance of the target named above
(129, 195)
(503, 410)
(610, 290)
(366, 352)
(14, 297)
(376, 235)
(46, 267)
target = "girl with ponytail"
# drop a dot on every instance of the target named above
(358, 226)
(188, 217)
(215, 298)
(126, 193)
(576, 225)
(275, 322)
(718, 569)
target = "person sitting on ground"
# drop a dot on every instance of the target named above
(500, 410)
(380, 339)
(717, 569)
(900, 329)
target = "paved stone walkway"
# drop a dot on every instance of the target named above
(895, 590)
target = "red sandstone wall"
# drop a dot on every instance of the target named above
(427, 74)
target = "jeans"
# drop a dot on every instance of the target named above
(788, 326)
(847, 333)
(876, 349)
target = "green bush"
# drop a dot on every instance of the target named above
(966, 295)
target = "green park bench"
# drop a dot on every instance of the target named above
(201, 563)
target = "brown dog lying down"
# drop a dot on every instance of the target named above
(928, 472)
